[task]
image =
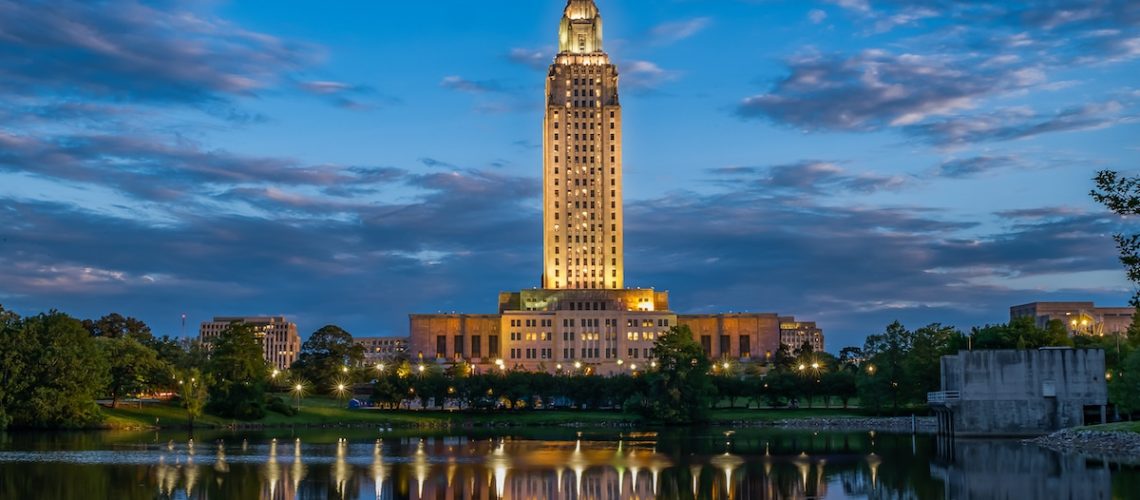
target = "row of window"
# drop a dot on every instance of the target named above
(584, 284)
(532, 322)
(532, 354)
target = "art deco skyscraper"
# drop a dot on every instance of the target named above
(583, 243)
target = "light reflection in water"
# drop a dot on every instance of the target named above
(753, 465)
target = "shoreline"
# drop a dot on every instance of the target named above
(1115, 445)
(837, 423)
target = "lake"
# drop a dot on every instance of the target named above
(559, 463)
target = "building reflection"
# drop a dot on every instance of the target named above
(633, 466)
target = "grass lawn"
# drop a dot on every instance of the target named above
(317, 411)
(1117, 427)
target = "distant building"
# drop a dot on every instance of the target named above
(1020, 392)
(735, 336)
(795, 333)
(382, 349)
(278, 337)
(1081, 318)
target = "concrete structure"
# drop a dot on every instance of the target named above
(583, 243)
(1081, 318)
(382, 349)
(583, 318)
(278, 337)
(1018, 393)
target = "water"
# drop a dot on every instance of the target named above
(544, 463)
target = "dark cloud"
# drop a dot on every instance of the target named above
(434, 163)
(1016, 123)
(133, 50)
(345, 95)
(810, 177)
(876, 89)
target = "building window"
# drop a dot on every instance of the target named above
(458, 345)
(725, 345)
(493, 345)
(706, 345)
(441, 346)
(476, 347)
(745, 346)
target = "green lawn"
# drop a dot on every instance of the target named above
(317, 411)
(1116, 427)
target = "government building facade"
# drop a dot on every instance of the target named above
(582, 318)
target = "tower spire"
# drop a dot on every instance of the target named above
(581, 28)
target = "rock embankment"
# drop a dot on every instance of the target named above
(1117, 443)
(884, 424)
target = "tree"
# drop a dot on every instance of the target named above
(114, 325)
(133, 367)
(1122, 195)
(195, 394)
(1124, 388)
(61, 372)
(850, 358)
(886, 354)
(922, 367)
(13, 345)
(325, 355)
(239, 372)
(679, 391)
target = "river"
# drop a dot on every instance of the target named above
(556, 463)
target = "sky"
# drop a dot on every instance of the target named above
(851, 162)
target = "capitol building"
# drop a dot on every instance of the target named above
(582, 318)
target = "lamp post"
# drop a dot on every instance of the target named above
(297, 390)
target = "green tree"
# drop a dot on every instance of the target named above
(13, 345)
(61, 372)
(887, 354)
(133, 367)
(1124, 388)
(325, 356)
(679, 391)
(195, 394)
(1121, 195)
(238, 369)
(922, 367)
(114, 325)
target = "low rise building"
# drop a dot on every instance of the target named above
(278, 337)
(1081, 318)
(382, 349)
(1020, 392)
(794, 334)
(592, 331)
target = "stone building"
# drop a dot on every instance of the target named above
(1020, 392)
(1081, 318)
(278, 337)
(583, 318)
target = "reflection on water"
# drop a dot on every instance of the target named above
(706, 464)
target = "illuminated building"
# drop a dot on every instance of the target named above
(1080, 318)
(583, 319)
(278, 337)
(381, 349)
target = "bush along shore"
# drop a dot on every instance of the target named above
(1123, 444)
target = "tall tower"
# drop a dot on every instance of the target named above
(583, 242)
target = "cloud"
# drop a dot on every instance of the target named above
(138, 51)
(345, 95)
(809, 177)
(1016, 123)
(645, 75)
(537, 59)
(877, 89)
(817, 16)
(960, 168)
(675, 31)
(860, 6)
(461, 84)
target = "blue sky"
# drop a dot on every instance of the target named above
(848, 161)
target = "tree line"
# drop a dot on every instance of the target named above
(53, 369)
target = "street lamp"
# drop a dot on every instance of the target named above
(577, 365)
(297, 391)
